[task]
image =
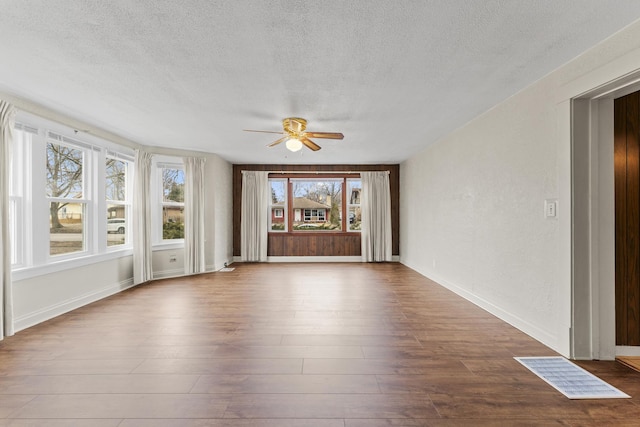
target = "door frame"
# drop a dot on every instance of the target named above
(593, 222)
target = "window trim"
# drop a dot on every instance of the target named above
(34, 246)
(127, 202)
(284, 209)
(290, 211)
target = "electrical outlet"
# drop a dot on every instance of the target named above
(173, 258)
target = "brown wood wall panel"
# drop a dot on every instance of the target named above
(620, 172)
(316, 244)
(627, 193)
(633, 218)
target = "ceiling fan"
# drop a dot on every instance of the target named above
(295, 135)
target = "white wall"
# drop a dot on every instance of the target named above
(219, 204)
(40, 298)
(472, 204)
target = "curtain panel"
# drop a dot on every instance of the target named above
(7, 113)
(376, 217)
(254, 216)
(142, 267)
(194, 198)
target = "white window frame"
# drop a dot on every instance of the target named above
(128, 191)
(32, 213)
(86, 199)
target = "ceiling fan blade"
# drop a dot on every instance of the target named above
(309, 143)
(284, 138)
(326, 135)
(262, 131)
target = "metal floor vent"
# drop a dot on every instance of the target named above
(570, 379)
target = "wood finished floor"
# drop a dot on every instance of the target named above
(322, 345)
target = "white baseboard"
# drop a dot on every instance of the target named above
(550, 340)
(625, 350)
(166, 274)
(31, 319)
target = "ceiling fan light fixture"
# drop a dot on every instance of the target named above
(293, 144)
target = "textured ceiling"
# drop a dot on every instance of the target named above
(393, 76)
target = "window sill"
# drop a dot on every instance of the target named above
(168, 246)
(24, 273)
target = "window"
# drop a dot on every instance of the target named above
(278, 204)
(312, 204)
(354, 211)
(172, 202)
(317, 205)
(65, 190)
(117, 200)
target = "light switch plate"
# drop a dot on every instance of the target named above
(550, 208)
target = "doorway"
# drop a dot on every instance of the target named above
(594, 331)
(627, 218)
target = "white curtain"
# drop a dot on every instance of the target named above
(142, 269)
(7, 113)
(254, 215)
(376, 217)
(194, 215)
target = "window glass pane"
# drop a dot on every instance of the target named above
(172, 222)
(173, 185)
(66, 223)
(278, 198)
(64, 171)
(115, 177)
(355, 218)
(317, 205)
(117, 226)
(354, 192)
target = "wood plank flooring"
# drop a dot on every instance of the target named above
(322, 345)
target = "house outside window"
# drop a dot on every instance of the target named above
(317, 204)
(354, 211)
(278, 204)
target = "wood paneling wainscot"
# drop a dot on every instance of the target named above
(627, 218)
(316, 244)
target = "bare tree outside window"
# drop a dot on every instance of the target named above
(116, 196)
(115, 176)
(65, 190)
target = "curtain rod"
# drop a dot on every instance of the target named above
(316, 172)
